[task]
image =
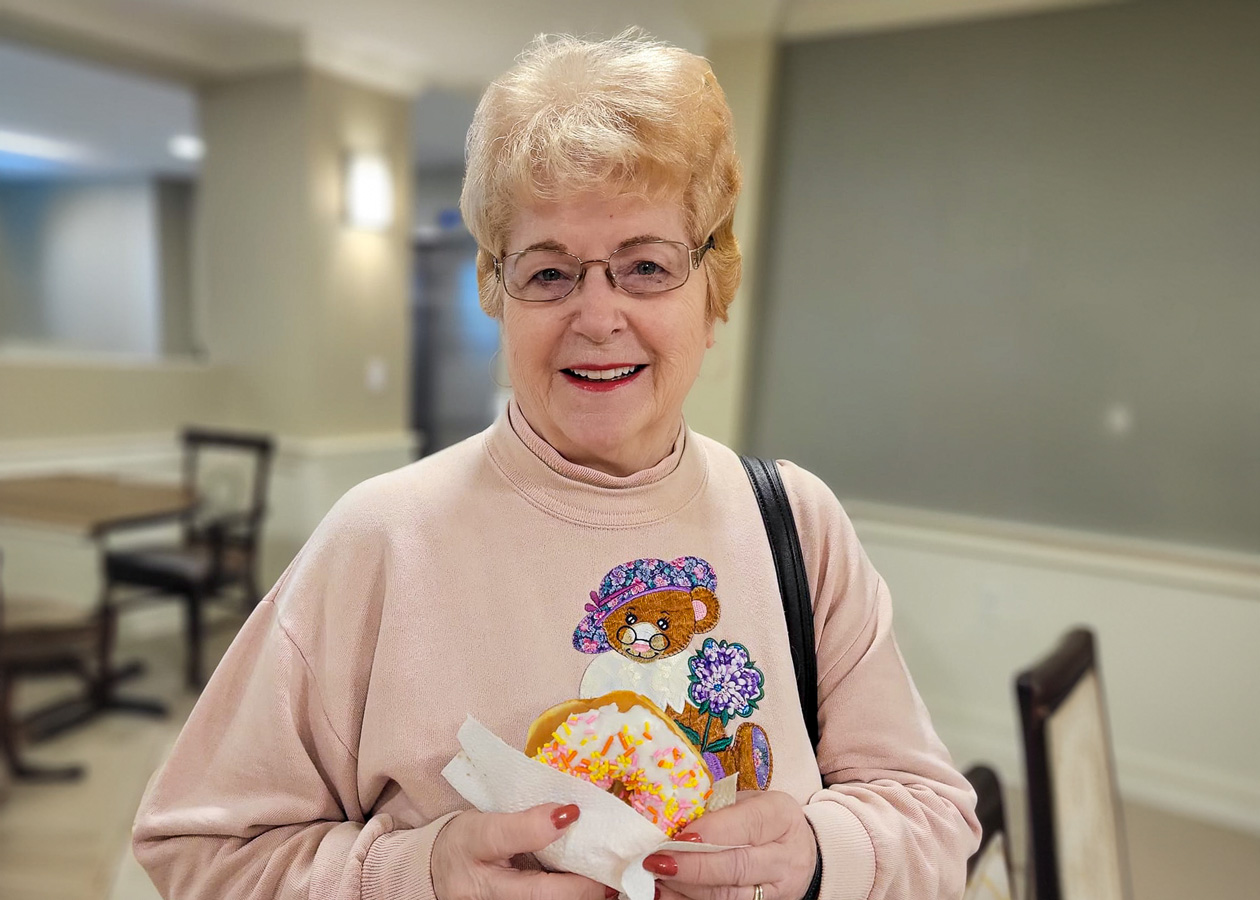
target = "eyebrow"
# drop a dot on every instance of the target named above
(639, 239)
(561, 248)
(547, 245)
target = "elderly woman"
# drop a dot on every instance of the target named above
(587, 541)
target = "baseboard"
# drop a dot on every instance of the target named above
(1189, 790)
(977, 736)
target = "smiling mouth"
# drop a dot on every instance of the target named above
(619, 373)
(647, 654)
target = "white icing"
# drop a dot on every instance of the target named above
(662, 761)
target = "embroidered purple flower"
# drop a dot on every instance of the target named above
(724, 682)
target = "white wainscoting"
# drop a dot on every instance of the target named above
(1179, 636)
(308, 476)
(311, 474)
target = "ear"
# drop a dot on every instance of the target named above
(706, 607)
(710, 335)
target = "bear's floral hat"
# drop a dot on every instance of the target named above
(632, 580)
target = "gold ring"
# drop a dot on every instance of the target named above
(757, 892)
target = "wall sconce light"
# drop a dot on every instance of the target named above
(369, 192)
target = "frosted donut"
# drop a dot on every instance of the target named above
(623, 743)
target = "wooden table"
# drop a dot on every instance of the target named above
(92, 506)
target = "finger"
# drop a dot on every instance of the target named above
(740, 866)
(511, 884)
(755, 818)
(499, 836)
(721, 892)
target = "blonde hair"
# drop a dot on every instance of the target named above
(628, 115)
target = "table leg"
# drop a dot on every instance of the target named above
(21, 769)
(101, 695)
(104, 695)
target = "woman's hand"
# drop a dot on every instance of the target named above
(781, 853)
(471, 857)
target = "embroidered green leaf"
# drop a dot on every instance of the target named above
(719, 746)
(692, 734)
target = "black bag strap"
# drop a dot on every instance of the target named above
(789, 566)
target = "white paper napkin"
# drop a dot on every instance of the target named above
(609, 840)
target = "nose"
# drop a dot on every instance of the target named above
(597, 304)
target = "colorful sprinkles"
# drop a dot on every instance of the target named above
(661, 785)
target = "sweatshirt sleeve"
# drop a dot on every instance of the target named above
(895, 818)
(259, 797)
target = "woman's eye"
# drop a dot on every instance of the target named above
(547, 275)
(662, 624)
(646, 267)
(631, 618)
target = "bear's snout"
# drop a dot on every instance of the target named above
(642, 640)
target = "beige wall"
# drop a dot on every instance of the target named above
(362, 290)
(55, 399)
(292, 305)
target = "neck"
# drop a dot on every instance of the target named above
(619, 460)
(625, 462)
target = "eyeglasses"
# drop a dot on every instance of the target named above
(648, 267)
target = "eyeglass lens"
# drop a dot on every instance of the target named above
(647, 268)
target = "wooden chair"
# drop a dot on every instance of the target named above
(1077, 849)
(989, 868)
(219, 549)
(41, 637)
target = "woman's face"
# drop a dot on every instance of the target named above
(626, 424)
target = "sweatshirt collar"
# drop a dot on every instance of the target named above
(588, 496)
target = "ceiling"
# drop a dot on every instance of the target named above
(439, 52)
(406, 44)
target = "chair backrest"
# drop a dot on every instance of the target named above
(229, 473)
(989, 868)
(1, 591)
(1077, 849)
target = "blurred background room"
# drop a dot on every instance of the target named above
(1001, 293)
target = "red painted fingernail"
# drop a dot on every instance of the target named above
(689, 836)
(660, 864)
(610, 892)
(656, 895)
(564, 816)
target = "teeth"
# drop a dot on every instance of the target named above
(603, 374)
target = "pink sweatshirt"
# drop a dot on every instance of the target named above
(477, 581)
